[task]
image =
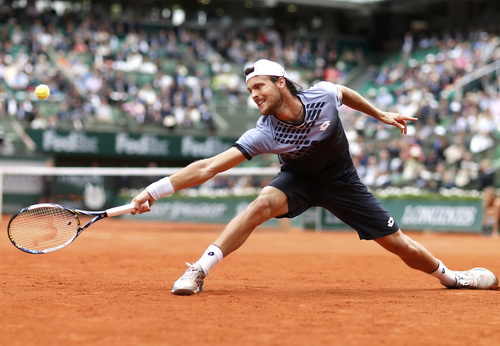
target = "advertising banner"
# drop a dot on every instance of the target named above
(125, 144)
(414, 214)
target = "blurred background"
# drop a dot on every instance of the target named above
(158, 84)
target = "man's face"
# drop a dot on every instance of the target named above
(266, 94)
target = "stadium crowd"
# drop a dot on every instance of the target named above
(94, 64)
(446, 146)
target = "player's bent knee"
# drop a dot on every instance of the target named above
(260, 207)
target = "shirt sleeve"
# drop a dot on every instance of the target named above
(331, 89)
(255, 142)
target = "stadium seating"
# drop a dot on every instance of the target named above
(202, 86)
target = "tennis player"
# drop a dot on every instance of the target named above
(304, 129)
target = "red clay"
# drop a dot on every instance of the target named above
(112, 287)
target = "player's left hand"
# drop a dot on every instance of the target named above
(397, 120)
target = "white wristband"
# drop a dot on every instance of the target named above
(160, 188)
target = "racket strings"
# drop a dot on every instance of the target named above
(43, 228)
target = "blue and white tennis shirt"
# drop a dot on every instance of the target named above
(318, 147)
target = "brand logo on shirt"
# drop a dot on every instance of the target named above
(324, 125)
(390, 223)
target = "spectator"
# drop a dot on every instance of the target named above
(481, 141)
(413, 164)
(454, 152)
(486, 175)
(104, 112)
(468, 170)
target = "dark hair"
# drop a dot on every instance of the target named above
(291, 87)
(249, 70)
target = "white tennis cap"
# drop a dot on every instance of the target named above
(264, 67)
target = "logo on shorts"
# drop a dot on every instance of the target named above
(390, 223)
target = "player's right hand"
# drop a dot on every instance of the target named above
(142, 202)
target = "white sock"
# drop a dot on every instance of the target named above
(444, 275)
(211, 257)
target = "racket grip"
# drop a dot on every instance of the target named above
(123, 209)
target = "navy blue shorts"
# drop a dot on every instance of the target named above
(350, 202)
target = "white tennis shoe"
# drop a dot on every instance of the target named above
(476, 278)
(191, 282)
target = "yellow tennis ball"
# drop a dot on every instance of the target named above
(42, 91)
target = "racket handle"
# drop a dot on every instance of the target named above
(123, 209)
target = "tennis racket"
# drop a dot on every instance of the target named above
(47, 227)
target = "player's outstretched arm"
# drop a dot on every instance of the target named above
(355, 101)
(193, 174)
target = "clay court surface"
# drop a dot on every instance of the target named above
(112, 287)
